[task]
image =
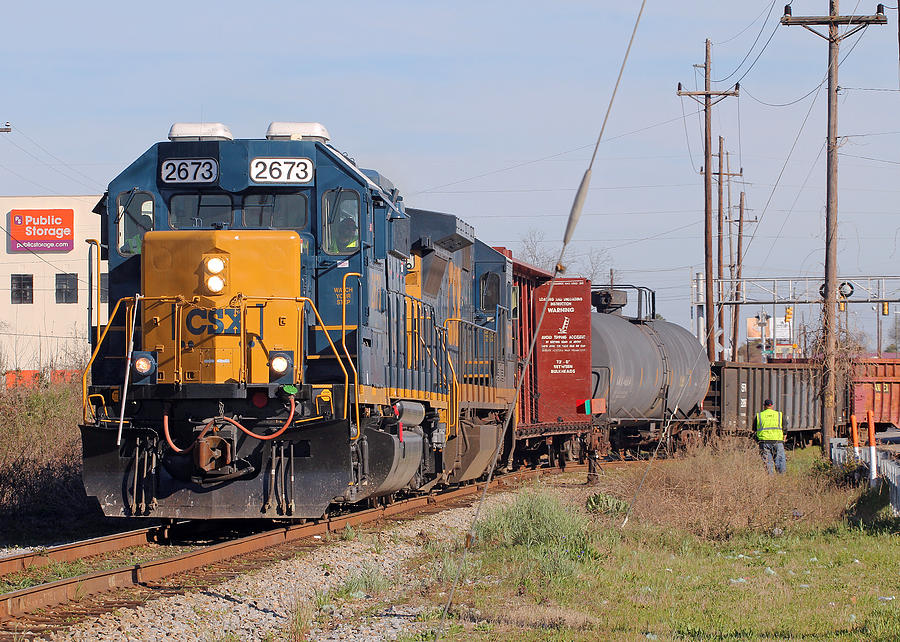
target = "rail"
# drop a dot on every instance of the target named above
(239, 301)
(19, 603)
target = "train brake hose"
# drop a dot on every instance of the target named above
(172, 443)
(250, 433)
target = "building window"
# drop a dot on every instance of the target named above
(21, 288)
(104, 288)
(67, 288)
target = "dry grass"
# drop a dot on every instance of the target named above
(719, 490)
(40, 458)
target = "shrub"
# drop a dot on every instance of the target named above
(606, 504)
(722, 489)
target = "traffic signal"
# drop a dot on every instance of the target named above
(788, 314)
(885, 308)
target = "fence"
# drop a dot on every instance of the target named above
(888, 469)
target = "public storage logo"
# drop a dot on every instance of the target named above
(41, 230)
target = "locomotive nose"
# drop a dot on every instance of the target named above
(223, 306)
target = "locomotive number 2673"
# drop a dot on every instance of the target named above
(281, 170)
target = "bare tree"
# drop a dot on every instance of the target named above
(592, 264)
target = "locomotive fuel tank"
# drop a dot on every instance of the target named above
(645, 366)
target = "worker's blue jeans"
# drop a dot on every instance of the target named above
(773, 450)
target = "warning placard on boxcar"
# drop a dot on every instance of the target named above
(563, 356)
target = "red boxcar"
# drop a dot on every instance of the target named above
(559, 376)
(875, 386)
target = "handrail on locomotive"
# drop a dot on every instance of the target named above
(238, 301)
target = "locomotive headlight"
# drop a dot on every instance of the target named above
(279, 364)
(143, 365)
(215, 284)
(215, 265)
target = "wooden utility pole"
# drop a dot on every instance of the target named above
(707, 95)
(854, 24)
(736, 319)
(721, 343)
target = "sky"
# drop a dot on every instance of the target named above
(489, 110)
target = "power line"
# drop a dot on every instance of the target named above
(57, 158)
(41, 258)
(750, 50)
(686, 137)
(430, 190)
(742, 31)
(869, 89)
(796, 198)
(814, 89)
(53, 167)
(880, 160)
(557, 189)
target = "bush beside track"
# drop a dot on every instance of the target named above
(40, 465)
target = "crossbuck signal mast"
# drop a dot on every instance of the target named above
(854, 24)
(708, 95)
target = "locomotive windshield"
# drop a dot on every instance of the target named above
(281, 211)
(200, 211)
(134, 219)
(340, 221)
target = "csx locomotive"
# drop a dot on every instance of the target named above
(284, 335)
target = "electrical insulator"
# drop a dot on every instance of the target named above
(842, 305)
(885, 308)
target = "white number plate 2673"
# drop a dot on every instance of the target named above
(189, 170)
(281, 170)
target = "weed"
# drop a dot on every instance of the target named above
(349, 533)
(607, 504)
(300, 623)
(536, 520)
(368, 581)
(722, 489)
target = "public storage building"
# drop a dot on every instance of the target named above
(44, 279)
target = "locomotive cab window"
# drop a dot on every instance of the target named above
(134, 218)
(281, 211)
(200, 211)
(340, 221)
(490, 291)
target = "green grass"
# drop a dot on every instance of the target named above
(369, 580)
(62, 570)
(548, 571)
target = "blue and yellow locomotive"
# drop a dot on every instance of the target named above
(286, 336)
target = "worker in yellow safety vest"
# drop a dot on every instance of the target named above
(770, 435)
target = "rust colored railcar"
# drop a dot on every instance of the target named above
(875, 386)
(558, 378)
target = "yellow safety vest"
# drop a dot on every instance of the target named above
(768, 426)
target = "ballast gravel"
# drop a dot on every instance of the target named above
(262, 605)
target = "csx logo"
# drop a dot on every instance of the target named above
(216, 321)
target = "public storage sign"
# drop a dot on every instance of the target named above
(41, 230)
(564, 350)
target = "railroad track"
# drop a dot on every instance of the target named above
(29, 612)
